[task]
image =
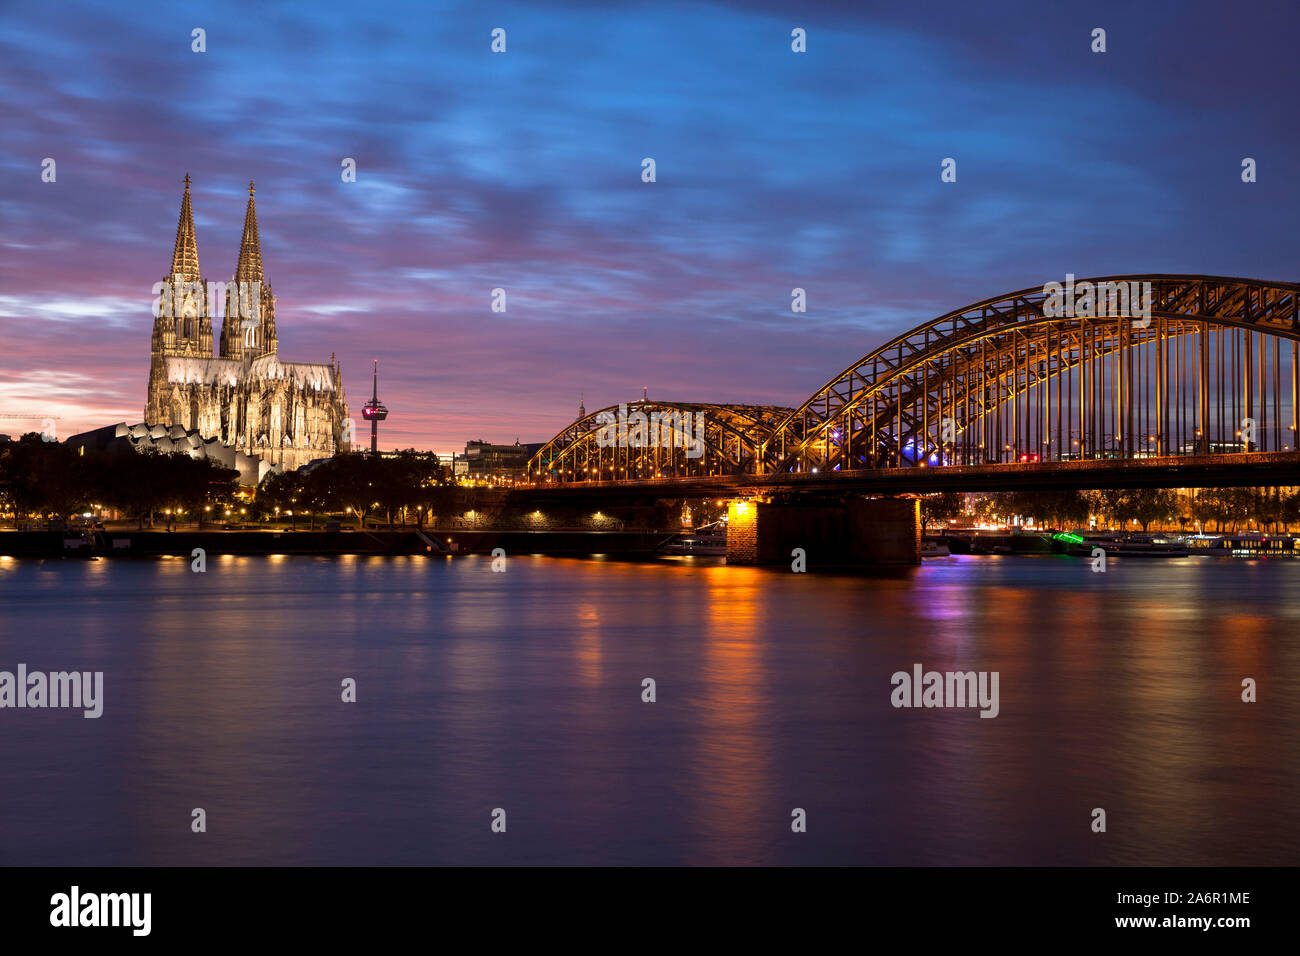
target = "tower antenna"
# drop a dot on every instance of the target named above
(374, 412)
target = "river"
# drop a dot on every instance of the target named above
(523, 691)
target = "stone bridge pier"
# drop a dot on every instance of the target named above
(858, 532)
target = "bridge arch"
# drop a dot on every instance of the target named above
(1021, 377)
(653, 439)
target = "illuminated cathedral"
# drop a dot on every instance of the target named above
(285, 413)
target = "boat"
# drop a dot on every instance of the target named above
(1123, 544)
(934, 549)
(704, 544)
(1245, 544)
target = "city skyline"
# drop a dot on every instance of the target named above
(666, 434)
(522, 170)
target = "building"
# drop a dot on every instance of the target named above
(285, 413)
(486, 460)
(169, 441)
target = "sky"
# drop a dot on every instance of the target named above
(522, 170)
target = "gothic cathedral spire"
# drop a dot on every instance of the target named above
(245, 336)
(249, 267)
(182, 326)
(185, 257)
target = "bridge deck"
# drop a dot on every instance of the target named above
(1183, 471)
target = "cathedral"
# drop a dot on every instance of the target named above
(285, 413)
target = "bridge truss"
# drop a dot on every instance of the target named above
(1211, 369)
(649, 439)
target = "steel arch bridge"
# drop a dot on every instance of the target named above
(650, 439)
(1046, 374)
(1009, 380)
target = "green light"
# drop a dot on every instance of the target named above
(1066, 536)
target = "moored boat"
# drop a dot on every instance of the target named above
(1245, 544)
(1122, 544)
(704, 544)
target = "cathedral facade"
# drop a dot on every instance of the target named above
(286, 413)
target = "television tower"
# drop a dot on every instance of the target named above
(374, 412)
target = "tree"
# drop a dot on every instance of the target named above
(283, 490)
(1146, 505)
(1237, 506)
(1202, 508)
(190, 483)
(1289, 511)
(43, 477)
(142, 482)
(1269, 508)
(350, 482)
(1107, 504)
(941, 507)
(399, 481)
(1060, 509)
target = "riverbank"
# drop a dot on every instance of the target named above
(136, 544)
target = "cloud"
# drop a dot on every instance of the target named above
(522, 171)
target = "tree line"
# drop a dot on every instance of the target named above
(1208, 509)
(407, 485)
(50, 480)
(44, 479)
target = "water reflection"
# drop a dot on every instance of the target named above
(523, 690)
